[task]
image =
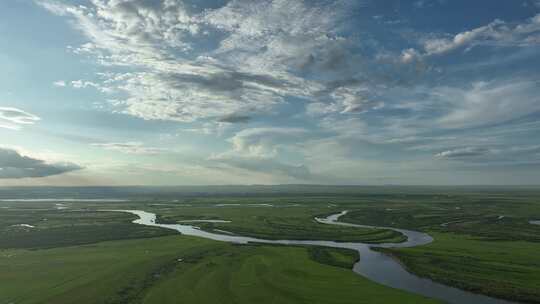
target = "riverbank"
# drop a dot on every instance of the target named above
(477, 265)
(373, 265)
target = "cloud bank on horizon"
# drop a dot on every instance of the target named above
(15, 165)
(214, 92)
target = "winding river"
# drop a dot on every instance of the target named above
(373, 265)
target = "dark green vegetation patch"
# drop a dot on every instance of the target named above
(343, 258)
(55, 228)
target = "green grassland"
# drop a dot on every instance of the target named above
(54, 228)
(286, 222)
(506, 269)
(178, 269)
(483, 242)
(490, 216)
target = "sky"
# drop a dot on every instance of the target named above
(206, 92)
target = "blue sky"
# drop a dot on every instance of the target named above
(171, 92)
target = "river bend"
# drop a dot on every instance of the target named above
(373, 265)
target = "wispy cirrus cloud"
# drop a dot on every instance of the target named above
(497, 33)
(15, 119)
(463, 152)
(131, 148)
(485, 103)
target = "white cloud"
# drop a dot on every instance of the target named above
(81, 84)
(262, 149)
(131, 148)
(487, 103)
(177, 76)
(270, 35)
(59, 83)
(265, 142)
(354, 100)
(442, 45)
(463, 152)
(497, 33)
(346, 99)
(409, 55)
(14, 119)
(235, 62)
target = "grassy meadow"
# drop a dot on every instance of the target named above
(506, 269)
(177, 269)
(483, 243)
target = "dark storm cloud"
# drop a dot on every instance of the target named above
(15, 165)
